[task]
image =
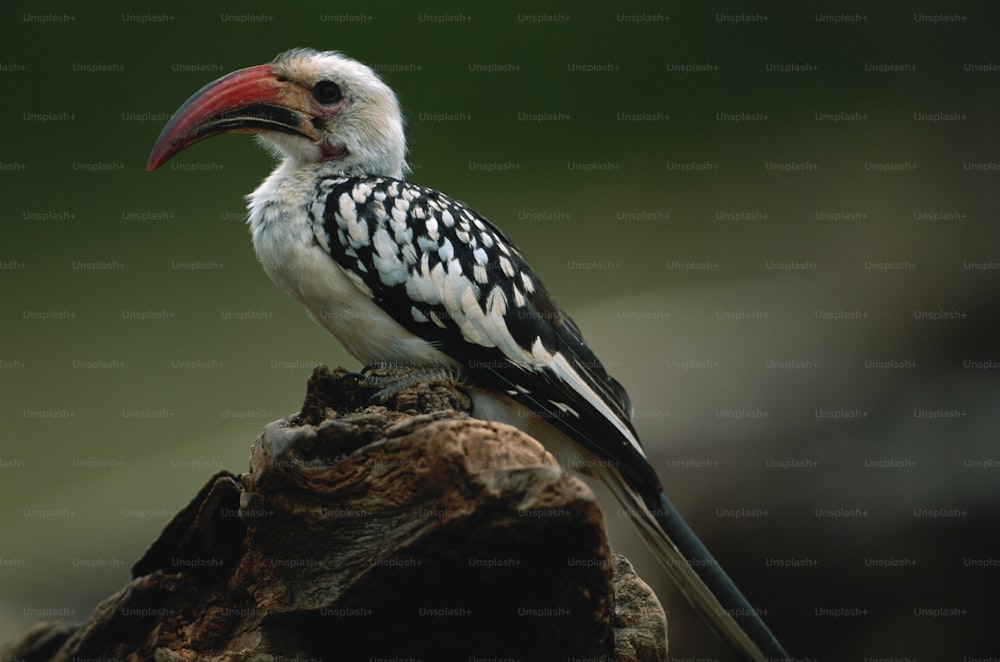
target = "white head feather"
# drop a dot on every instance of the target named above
(369, 124)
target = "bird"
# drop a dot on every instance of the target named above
(409, 279)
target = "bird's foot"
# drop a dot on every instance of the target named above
(393, 378)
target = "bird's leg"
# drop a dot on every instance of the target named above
(392, 378)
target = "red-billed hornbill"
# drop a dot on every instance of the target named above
(404, 275)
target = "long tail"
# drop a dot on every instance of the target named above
(696, 573)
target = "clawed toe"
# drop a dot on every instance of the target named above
(392, 378)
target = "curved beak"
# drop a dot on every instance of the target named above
(251, 100)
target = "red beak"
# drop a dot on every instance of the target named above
(251, 100)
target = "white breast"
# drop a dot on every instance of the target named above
(285, 243)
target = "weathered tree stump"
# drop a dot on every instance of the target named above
(362, 533)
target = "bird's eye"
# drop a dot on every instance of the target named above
(327, 92)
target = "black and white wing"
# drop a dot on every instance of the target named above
(452, 278)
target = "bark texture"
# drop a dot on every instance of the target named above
(406, 531)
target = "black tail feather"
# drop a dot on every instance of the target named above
(701, 561)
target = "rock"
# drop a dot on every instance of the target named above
(364, 532)
(639, 624)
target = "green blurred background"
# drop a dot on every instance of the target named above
(835, 315)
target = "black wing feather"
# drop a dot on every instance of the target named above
(531, 313)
